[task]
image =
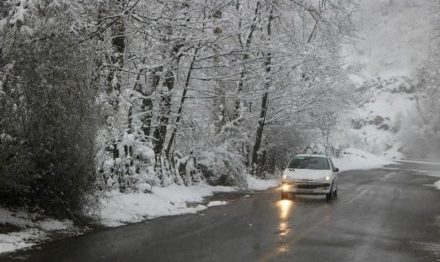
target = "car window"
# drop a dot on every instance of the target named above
(309, 162)
(332, 166)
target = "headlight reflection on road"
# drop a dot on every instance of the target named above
(284, 229)
(285, 209)
(284, 206)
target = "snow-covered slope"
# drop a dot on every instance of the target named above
(377, 124)
(355, 159)
(392, 42)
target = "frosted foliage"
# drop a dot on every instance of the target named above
(186, 92)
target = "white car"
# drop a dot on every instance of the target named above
(310, 175)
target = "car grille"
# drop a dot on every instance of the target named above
(312, 186)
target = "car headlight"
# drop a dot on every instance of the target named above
(284, 176)
(285, 187)
(327, 178)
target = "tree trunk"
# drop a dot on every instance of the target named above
(147, 102)
(219, 88)
(182, 101)
(165, 103)
(245, 46)
(264, 103)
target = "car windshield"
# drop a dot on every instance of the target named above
(309, 162)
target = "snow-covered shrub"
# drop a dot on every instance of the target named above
(186, 169)
(223, 162)
(15, 168)
(133, 169)
(48, 110)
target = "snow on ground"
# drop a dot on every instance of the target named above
(392, 43)
(355, 159)
(122, 208)
(28, 229)
(437, 185)
(118, 209)
(20, 239)
(216, 203)
(258, 184)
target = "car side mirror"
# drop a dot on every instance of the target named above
(335, 169)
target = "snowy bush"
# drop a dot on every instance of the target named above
(132, 170)
(223, 163)
(47, 116)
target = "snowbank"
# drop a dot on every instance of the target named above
(355, 159)
(30, 228)
(258, 184)
(216, 203)
(21, 239)
(119, 209)
(437, 185)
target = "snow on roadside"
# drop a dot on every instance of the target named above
(21, 239)
(22, 219)
(28, 229)
(216, 203)
(121, 208)
(437, 185)
(118, 209)
(355, 159)
(260, 184)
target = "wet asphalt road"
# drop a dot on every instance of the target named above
(380, 215)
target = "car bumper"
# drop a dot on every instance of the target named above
(309, 188)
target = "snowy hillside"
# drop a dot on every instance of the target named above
(393, 42)
(376, 126)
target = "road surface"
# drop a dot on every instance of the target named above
(389, 214)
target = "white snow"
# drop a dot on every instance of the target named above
(23, 219)
(216, 203)
(121, 208)
(55, 225)
(355, 159)
(32, 229)
(21, 239)
(259, 184)
(437, 185)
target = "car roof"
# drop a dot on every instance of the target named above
(312, 155)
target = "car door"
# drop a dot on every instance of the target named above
(335, 174)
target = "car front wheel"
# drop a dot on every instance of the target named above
(335, 193)
(330, 195)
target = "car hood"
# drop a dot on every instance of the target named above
(306, 174)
